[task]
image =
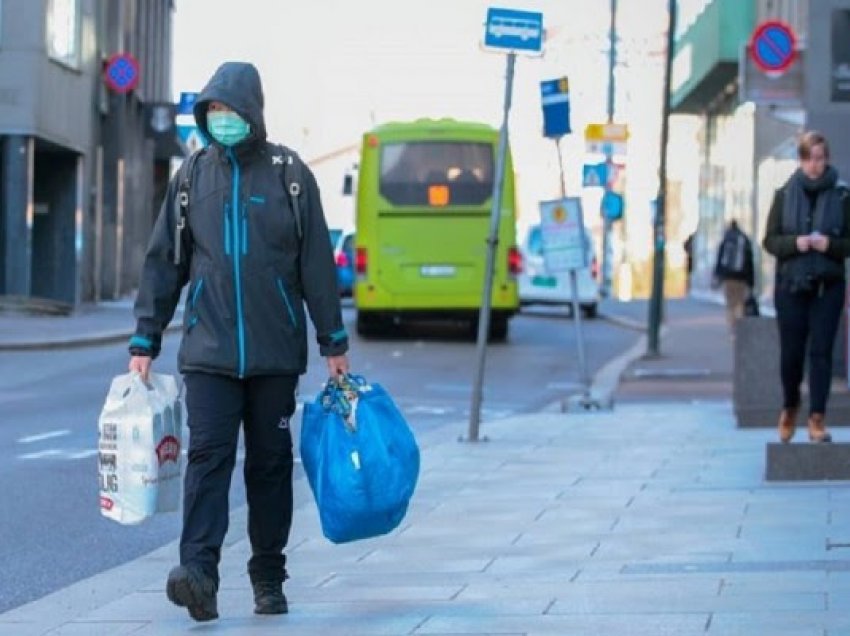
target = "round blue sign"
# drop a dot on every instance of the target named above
(121, 73)
(772, 46)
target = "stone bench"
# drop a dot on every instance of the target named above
(807, 462)
(757, 389)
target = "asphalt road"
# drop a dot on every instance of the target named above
(53, 532)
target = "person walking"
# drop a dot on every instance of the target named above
(252, 254)
(734, 271)
(688, 246)
(808, 231)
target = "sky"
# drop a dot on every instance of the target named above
(332, 69)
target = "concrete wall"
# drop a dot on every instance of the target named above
(31, 82)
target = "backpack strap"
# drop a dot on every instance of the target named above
(291, 170)
(181, 204)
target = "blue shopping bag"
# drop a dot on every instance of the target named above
(361, 459)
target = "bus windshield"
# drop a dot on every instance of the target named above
(464, 169)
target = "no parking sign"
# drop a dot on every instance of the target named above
(773, 46)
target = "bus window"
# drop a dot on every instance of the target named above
(409, 169)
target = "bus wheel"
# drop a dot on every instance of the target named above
(368, 324)
(498, 329)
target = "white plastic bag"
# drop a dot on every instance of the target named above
(139, 448)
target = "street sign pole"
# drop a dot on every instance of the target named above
(584, 376)
(492, 244)
(607, 223)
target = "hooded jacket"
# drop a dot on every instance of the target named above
(248, 273)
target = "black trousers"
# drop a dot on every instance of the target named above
(808, 319)
(216, 405)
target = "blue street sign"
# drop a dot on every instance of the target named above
(594, 175)
(512, 30)
(555, 98)
(187, 103)
(187, 129)
(612, 206)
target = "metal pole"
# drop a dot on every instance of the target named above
(607, 224)
(492, 244)
(582, 359)
(656, 301)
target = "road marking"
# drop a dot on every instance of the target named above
(50, 452)
(426, 410)
(91, 452)
(43, 436)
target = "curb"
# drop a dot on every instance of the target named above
(106, 337)
(622, 321)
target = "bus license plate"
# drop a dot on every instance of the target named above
(544, 281)
(437, 271)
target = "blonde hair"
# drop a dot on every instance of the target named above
(808, 140)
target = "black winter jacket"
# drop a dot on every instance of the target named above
(249, 275)
(795, 270)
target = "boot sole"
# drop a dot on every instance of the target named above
(267, 611)
(184, 592)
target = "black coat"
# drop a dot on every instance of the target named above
(249, 275)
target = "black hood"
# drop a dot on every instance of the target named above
(238, 85)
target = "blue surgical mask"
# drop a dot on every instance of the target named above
(227, 127)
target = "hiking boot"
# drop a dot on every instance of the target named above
(189, 587)
(817, 429)
(787, 425)
(269, 598)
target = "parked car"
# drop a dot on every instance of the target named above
(539, 286)
(344, 257)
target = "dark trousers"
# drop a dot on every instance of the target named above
(216, 405)
(808, 318)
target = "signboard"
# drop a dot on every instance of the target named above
(607, 139)
(121, 73)
(772, 89)
(840, 45)
(562, 230)
(555, 99)
(514, 31)
(612, 206)
(772, 46)
(595, 175)
(187, 129)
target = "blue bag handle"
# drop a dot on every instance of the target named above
(339, 392)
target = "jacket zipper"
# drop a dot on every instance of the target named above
(282, 290)
(237, 272)
(194, 303)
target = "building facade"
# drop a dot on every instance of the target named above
(748, 120)
(79, 167)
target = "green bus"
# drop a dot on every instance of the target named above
(424, 197)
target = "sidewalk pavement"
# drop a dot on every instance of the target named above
(651, 519)
(90, 324)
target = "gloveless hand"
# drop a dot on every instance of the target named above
(337, 365)
(141, 365)
(819, 242)
(804, 243)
